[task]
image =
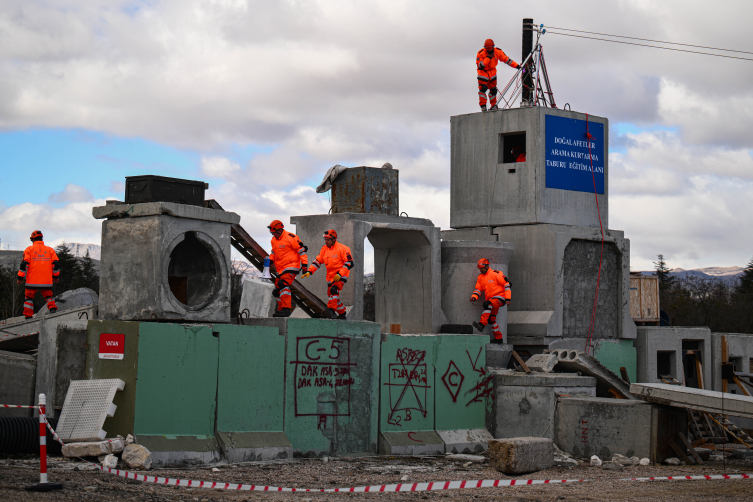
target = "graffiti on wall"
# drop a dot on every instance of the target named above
(407, 385)
(483, 388)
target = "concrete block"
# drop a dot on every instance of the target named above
(90, 449)
(696, 399)
(498, 355)
(72, 299)
(465, 440)
(521, 455)
(183, 270)
(255, 446)
(175, 451)
(410, 443)
(257, 298)
(608, 427)
(661, 350)
(459, 274)
(542, 363)
(524, 404)
(577, 361)
(17, 375)
(469, 234)
(739, 353)
(407, 264)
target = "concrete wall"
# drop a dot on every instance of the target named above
(459, 274)
(739, 352)
(615, 354)
(485, 193)
(137, 243)
(61, 358)
(407, 261)
(658, 345)
(17, 372)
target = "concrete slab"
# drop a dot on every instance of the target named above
(465, 441)
(542, 363)
(177, 451)
(498, 355)
(410, 443)
(521, 455)
(524, 404)
(605, 427)
(72, 299)
(22, 326)
(661, 351)
(575, 360)
(254, 446)
(257, 298)
(17, 374)
(696, 399)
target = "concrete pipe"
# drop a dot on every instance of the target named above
(459, 274)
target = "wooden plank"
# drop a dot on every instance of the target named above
(521, 362)
(624, 374)
(635, 297)
(649, 297)
(699, 372)
(615, 394)
(741, 386)
(690, 448)
(683, 456)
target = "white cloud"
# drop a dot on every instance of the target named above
(219, 167)
(71, 193)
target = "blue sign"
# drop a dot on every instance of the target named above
(568, 166)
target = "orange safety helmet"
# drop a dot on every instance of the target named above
(489, 43)
(330, 234)
(36, 234)
(275, 225)
(483, 262)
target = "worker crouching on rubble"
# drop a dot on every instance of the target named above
(40, 268)
(337, 259)
(289, 257)
(496, 289)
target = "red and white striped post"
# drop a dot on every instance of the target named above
(43, 485)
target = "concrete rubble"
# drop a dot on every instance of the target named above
(542, 363)
(577, 361)
(93, 448)
(521, 455)
(137, 457)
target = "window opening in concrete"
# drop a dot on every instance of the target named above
(511, 171)
(368, 281)
(511, 146)
(192, 273)
(665, 363)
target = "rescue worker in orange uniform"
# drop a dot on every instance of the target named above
(486, 65)
(337, 259)
(496, 289)
(518, 154)
(40, 268)
(289, 257)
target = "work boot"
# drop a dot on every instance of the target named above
(342, 317)
(330, 314)
(483, 108)
(28, 317)
(283, 313)
(478, 326)
(493, 108)
(498, 340)
(53, 310)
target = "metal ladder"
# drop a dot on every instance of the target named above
(255, 254)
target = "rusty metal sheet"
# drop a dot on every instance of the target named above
(366, 190)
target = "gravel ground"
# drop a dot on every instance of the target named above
(85, 484)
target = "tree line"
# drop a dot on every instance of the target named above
(696, 301)
(74, 273)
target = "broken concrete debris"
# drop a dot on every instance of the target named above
(595, 461)
(542, 363)
(521, 455)
(137, 457)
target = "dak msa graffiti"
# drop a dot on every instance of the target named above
(408, 386)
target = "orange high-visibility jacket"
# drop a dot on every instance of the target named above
(487, 67)
(493, 284)
(288, 253)
(337, 259)
(40, 264)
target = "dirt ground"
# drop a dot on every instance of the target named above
(82, 483)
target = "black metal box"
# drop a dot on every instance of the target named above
(150, 188)
(366, 190)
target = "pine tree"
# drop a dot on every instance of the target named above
(70, 271)
(666, 279)
(745, 282)
(89, 278)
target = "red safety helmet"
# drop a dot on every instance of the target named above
(489, 43)
(483, 262)
(36, 234)
(275, 225)
(330, 234)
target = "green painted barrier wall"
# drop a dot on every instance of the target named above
(126, 369)
(251, 379)
(461, 386)
(617, 353)
(331, 386)
(177, 381)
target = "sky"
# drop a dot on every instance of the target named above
(260, 98)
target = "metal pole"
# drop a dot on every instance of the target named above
(43, 485)
(527, 48)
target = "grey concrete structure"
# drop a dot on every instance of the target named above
(72, 299)
(605, 427)
(254, 446)
(542, 363)
(465, 440)
(182, 451)
(459, 274)
(739, 353)
(498, 355)
(661, 351)
(487, 191)
(166, 260)
(257, 298)
(521, 455)
(17, 373)
(407, 257)
(696, 399)
(21, 326)
(524, 404)
(606, 379)
(415, 443)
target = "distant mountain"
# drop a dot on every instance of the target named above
(725, 274)
(79, 250)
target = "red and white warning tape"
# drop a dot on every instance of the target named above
(400, 487)
(16, 406)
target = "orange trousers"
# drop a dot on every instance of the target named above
(333, 300)
(284, 296)
(491, 86)
(489, 315)
(29, 295)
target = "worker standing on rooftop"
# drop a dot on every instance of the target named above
(289, 258)
(496, 289)
(337, 259)
(486, 65)
(40, 268)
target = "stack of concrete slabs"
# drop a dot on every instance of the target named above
(87, 404)
(696, 399)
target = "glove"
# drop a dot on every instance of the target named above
(306, 274)
(336, 278)
(473, 299)
(55, 280)
(304, 268)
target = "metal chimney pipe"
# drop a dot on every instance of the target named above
(527, 94)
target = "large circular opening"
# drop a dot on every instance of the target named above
(192, 273)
